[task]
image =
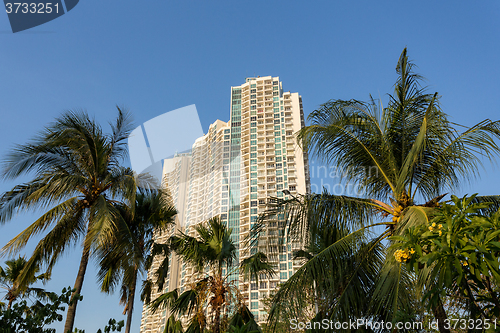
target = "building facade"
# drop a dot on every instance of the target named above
(233, 172)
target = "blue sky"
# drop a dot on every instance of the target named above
(155, 56)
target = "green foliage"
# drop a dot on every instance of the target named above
(213, 294)
(126, 256)
(77, 179)
(458, 253)
(24, 318)
(398, 155)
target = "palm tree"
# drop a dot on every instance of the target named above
(77, 173)
(125, 259)
(404, 157)
(9, 280)
(212, 253)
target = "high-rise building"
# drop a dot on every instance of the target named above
(234, 170)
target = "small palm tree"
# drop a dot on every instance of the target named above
(212, 251)
(77, 173)
(124, 260)
(404, 158)
(9, 280)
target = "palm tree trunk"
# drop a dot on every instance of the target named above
(217, 320)
(70, 317)
(440, 315)
(11, 300)
(130, 304)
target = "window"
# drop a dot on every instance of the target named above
(252, 91)
(253, 96)
(283, 267)
(254, 295)
(282, 257)
(254, 305)
(253, 118)
(283, 275)
(253, 204)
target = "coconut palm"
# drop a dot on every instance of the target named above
(404, 158)
(212, 253)
(124, 260)
(78, 179)
(9, 280)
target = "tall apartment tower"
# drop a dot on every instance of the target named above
(234, 170)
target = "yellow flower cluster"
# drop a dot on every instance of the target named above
(439, 227)
(464, 263)
(403, 255)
